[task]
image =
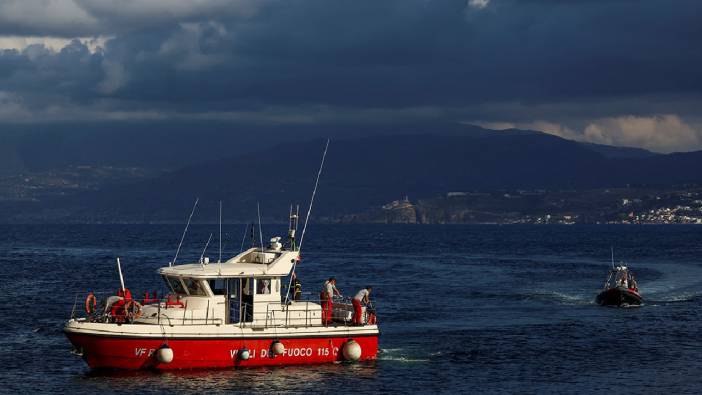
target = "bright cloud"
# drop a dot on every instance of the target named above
(664, 133)
(660, 133)
(53, 17)
(55, 44)
(71, 18)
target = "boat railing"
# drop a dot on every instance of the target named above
(103, 312)
(279, 314)
(304, 312)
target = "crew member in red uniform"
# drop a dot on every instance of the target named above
(126, 294)
(117, 308)
(328, 292)
(361, 298)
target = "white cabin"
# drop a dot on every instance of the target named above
(247, 290)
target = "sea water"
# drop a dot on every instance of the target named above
(481, 309)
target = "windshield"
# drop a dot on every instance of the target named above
(194, 287)
(175, 285)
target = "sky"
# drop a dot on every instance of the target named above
(619, 72)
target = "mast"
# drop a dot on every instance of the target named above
(292, 228)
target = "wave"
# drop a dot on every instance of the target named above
(678, 283)
(539, 295)
(562, 297)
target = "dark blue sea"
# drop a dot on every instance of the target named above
(462, 309)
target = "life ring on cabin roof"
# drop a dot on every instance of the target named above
(90, 303)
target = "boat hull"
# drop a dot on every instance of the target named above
(619, 297)
(116, 352)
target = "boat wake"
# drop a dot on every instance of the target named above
(562, 298)
(673, 283)
(540, 295)
(398, 355)
(678, 283)
(684, 297)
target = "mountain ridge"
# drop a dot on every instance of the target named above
(370, 171)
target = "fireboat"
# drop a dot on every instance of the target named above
(233, 313)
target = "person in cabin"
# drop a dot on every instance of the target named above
(623, 282)
(264, 286)
(362, 298)
(328, 291)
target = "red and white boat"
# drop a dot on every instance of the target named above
(220, 315)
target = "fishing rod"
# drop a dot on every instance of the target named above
(184, 232)
(202, 256)
(307, 218)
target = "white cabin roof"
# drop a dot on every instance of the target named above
(250, 263)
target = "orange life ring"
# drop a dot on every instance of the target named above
(130, 312)
(90, 303)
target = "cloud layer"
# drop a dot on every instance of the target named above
(661, 133)
(598, 69)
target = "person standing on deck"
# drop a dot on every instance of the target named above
(297, 288)
(361, 297)
(327, 295)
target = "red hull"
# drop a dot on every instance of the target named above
(131, 353)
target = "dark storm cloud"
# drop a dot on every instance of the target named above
(506, 60)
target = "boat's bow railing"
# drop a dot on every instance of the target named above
(131, 312)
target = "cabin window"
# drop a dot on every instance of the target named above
(218, 286)
(247, 299)
(175, 285)
(194, 287)
(232, 293)
(247, 287)
(263, 286)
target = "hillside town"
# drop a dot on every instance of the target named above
(602, 206)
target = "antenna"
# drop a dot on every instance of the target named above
(184, 232)
(291, 233)
(253, 238)
(260, 231)
(220, 232)
(204, 250)
(304, 228)
(612, 248)
(297, 217)
(243, 239)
